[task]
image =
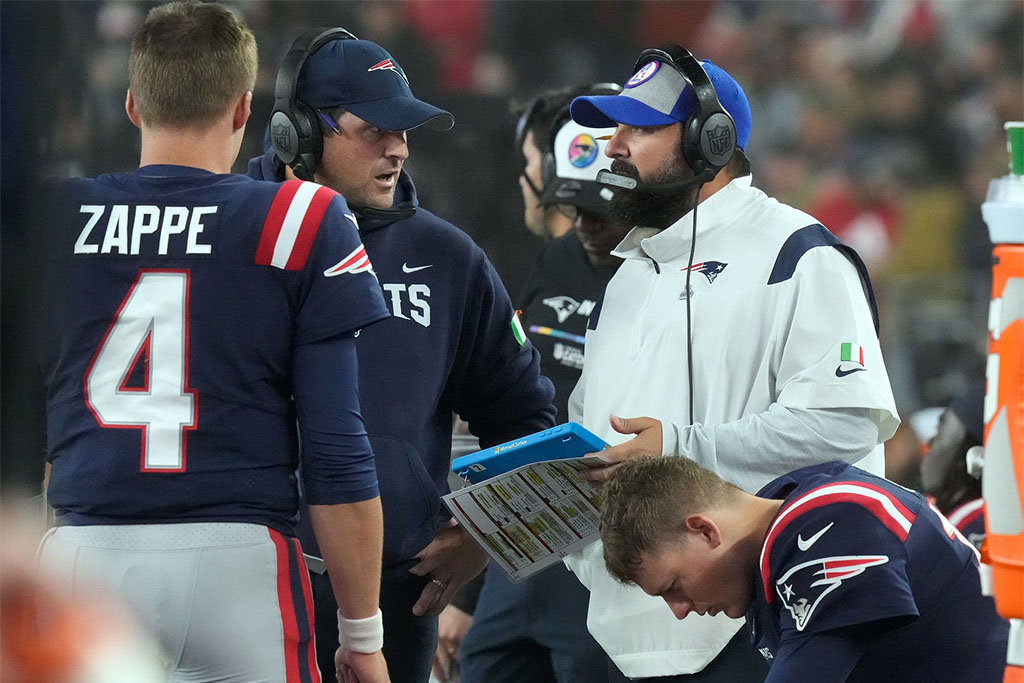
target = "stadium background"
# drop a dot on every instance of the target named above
(883, 118)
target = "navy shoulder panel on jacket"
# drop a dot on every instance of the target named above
(817, 235)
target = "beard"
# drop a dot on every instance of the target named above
(648, 209)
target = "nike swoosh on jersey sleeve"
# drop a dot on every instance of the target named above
(805, 544)
(292, 224)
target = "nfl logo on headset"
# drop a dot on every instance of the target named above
(282, 140)
(718, 139)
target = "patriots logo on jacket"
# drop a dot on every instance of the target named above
(564, 306)
(710, 269)
(804, 585)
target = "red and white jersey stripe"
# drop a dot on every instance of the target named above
(292, 223)
(893, 514)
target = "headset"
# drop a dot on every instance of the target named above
(294, 125)
(548, 165)
(709, 136)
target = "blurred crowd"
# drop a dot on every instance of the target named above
(882, 118)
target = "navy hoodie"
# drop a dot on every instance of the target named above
(448, 348)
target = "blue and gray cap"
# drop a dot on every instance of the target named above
(658, 95)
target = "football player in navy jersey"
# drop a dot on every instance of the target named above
(842, 575)
(195, 319)
(448, 347)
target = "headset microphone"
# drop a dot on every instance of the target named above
(633, 185)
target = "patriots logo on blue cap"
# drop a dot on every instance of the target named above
(803, 586)
(388, 65)
(710, 269)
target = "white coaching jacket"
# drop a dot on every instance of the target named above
(787, 373)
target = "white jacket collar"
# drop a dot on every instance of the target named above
(718, 210)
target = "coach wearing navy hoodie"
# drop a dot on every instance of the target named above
(448, 348)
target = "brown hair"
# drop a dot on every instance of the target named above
(645, 505)
(189, 62)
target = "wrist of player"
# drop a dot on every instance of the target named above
(365, 636)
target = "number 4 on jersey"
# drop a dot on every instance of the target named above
(152, 320)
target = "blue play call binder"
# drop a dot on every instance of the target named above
(570, 440)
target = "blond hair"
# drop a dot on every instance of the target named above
(646, 503)
(189, 62)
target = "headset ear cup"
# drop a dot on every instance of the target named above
(717, 139)
(548, 169)
(692, 151)
(294, 127)
(283, 136)
(311, 141)
(295, 135)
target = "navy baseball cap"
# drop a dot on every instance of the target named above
(361, 76)
(658, 95)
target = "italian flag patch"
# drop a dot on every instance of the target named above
(517, 329)
(853, 353)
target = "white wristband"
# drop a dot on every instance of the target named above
(361, 635)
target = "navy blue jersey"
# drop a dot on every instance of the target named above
(182, 305)
(863, 580)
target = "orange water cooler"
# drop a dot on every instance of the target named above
(1003, 475)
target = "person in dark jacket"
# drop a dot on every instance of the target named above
(449, 347)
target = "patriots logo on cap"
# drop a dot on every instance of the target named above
(803, 586)
(710, 269)
(388, 65)
(718, 139)
(645, 72)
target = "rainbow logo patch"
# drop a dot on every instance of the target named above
(645, 72)
(582, 150)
